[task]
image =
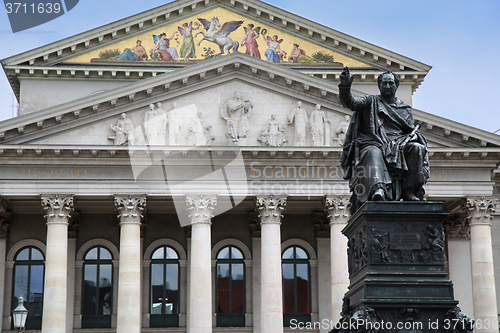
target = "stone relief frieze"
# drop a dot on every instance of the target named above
(235, 113)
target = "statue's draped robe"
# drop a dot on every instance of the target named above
(374, 156)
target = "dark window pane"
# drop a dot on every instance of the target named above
(105, 289)
(89, 289)
(171, 254)
(158, 254)
(21, 281)
(172, 289)
(36, 255)
(224, 253)
(288, 289)
(237, 289)
(236, 254)
(157, 288)
(300, 254)
(92, 254)
(23, 255)
(302, 288)
(223, 288)
(36, 290)
(288, 254)
(105, 254)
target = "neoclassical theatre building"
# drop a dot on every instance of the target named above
(150, 184)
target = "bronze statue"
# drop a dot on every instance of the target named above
(384, 157)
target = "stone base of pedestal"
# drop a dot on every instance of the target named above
(396, 268)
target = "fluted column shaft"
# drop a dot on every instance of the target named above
(270, 211)
(338, 210)
(200, 286)
(58, 210)
(130, 213)
(483, 280)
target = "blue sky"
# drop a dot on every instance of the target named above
(459, 39)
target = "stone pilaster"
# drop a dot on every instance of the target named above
(130, 211)
(338, 211)
(5, 218)
(200, 209)
(483, 280)
(74, 222)
(270, 211)
(58, 212)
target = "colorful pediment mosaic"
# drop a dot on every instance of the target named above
(214, 33)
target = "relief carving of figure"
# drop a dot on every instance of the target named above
(272, 133)
(200, 133)
(124, 131)
(318, 120)
(341, 131)
(155, 123)
(235, 111)
(299, 115)
(174, 126)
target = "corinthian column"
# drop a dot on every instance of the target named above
(130, 213)
(270, 211)
(483, 279)
(200, 210)
(57, 209)
(338, 212)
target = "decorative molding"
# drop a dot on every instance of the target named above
(80, 255)
(254, 223)
(24, 243)
(337, 209)
(57, 208)
(247, 255)
(165, 242)
(480, 210)
(303, 244)
(201, 208)
(130, 209)
(456, 227)
(321, 224)
(270, 208)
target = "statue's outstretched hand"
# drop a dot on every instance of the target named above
(346, 78)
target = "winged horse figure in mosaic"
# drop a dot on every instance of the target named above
(219, 35)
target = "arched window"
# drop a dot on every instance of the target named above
(29, 272)
(97, 288)
(230, 277)
(165, 276)
(296, 285)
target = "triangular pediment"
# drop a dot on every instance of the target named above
(205, 87)
(293, 29)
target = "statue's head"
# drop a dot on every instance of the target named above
(174, 105)
(151, 106)
(138, 42)
(299, 104)
(388, 83)
(158, 105)
(318, 106)
(237, 94)
(124, 115)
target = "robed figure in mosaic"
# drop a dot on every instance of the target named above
(384, 157)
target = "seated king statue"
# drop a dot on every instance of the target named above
(384, 157)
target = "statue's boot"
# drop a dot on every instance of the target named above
(379, 195)
(408, 195)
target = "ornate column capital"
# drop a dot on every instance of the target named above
(57, 208)
(201, 208)
(5, 219)
(130, 209)
(270, 208)
(456, 227)
(480, 210)
(337, 208)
